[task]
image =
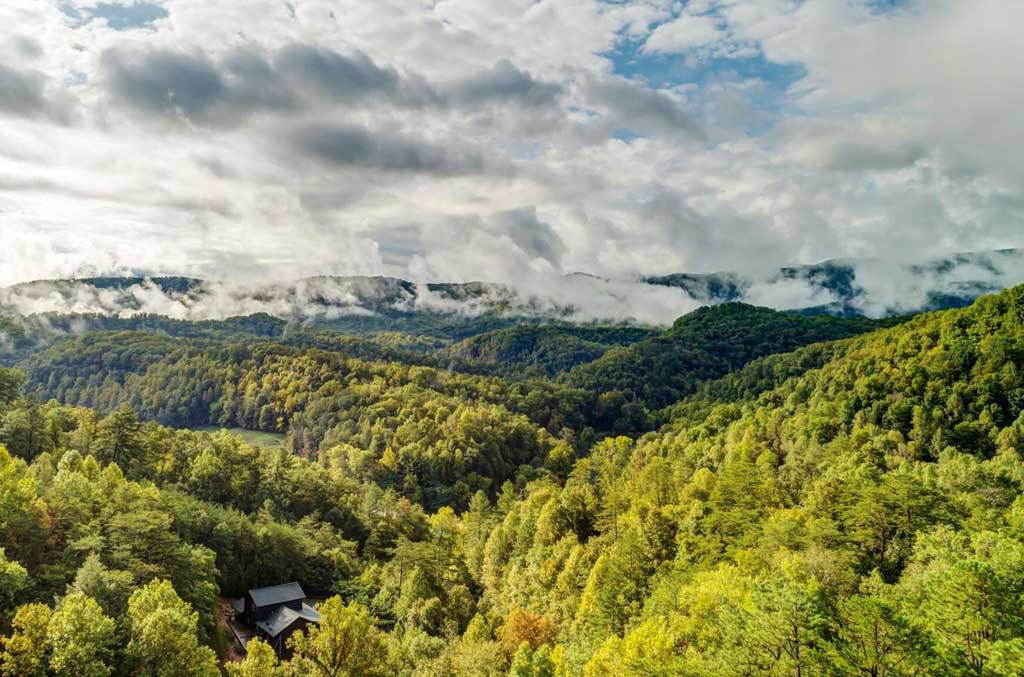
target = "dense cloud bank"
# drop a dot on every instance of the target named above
(870, 287)
(574, 298)
(866, 287)
(506, 140)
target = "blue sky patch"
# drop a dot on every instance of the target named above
(119, 16)
(123, 17)
(882, 6)
(667, 71)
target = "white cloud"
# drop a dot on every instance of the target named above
(902, 138)
(683, 33)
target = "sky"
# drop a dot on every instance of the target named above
(513, 141)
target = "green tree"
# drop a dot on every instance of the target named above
(163, 640)
(528, 662)
(13, 580)
(874, 637)
(1006, 658)
(23, 429)
(346, 643)
(781, 633)
(109, 587)
(80, 637)
(615, 589)
(260, 661)
(968, 590)
(25, 650)
(118, 439)
(11, 382)
(477, 522)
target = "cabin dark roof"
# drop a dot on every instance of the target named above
(277, 594)
(280, 620)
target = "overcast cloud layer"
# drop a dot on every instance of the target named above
(505, 140)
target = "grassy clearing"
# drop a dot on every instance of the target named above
(256, 437)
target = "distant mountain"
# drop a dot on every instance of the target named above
(850, 287)
(322, 297)
(840, 287)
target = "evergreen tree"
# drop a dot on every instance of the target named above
(117, 436)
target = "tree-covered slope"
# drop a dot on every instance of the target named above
(703, 345)
(435, 434)
(194, 378)
(116, 539)
(539, 350)
(845, 509)
(850, 507)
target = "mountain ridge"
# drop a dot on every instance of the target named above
(841, 287)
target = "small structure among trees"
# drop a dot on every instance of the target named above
(274, 613)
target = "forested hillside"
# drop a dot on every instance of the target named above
(539, 350)
(859, 518)
(187, 379)
(413, 427)
(706, 344)
(784, 506)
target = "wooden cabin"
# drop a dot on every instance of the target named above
(274, 613)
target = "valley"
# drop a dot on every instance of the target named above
(511, 338)
(581, 499)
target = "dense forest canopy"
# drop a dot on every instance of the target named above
(747, 493)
